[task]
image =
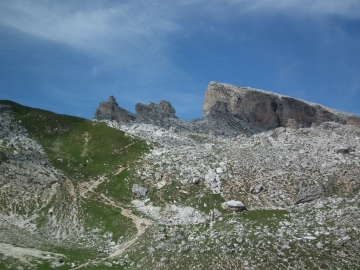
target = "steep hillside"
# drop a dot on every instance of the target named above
(51, 166)
(151, 191)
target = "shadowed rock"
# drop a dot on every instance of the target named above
(310, 193)
(153, 110)
(111, 111)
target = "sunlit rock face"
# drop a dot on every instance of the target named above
(268, 110)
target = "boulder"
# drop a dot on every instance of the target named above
(158, 176)
(139, 191)
(256, 189)
(235, 206)
(196, 180)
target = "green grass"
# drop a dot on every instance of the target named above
(118, 187)
(77, 146)
(109, 219)
(82, 150)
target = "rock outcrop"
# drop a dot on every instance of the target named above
(235, 206)
(156, 111)
(268, 110)
(231, 111)
(307, 194)
(110, 110)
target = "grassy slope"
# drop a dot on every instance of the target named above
(83, 149)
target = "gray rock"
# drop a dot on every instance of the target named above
(139, 190)
(111, 111)
(307, 194)
(256, 189)
(164, 260)
(158, 176)
(185, 248)
(291, 123)
(273, 258)
(268, 110)
(309, 237)
(210, 177)
(345, 150)
(235, 206)
(155, 111)
(196, 180)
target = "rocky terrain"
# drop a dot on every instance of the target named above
(250, 185)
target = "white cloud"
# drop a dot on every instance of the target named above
(92, 27)
(117, 29)
(344, 8)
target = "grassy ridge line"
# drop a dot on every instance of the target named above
(79, 147)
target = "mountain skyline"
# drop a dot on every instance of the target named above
(68, 56)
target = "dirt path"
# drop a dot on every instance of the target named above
(140, 223)
(86, 137)
(86, 187)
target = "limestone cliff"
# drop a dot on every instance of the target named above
(161, 110)
(268, 110)
(110, 110)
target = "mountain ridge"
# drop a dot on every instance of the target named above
(158, 192)
(260, 109)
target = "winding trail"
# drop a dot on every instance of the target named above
(140, 223)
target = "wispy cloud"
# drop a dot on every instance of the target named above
(91, 27)
(117, 35)
(119, 29)
(344, 8)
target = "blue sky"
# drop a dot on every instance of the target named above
(67, 56)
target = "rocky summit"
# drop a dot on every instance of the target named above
(269, 110)
(261, 181)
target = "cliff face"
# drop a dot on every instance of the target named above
(225, 103)
(153, 110)
(268, 110)
(111, 111)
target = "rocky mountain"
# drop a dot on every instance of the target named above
(250, 185)
(111, 111)
(268, 110)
